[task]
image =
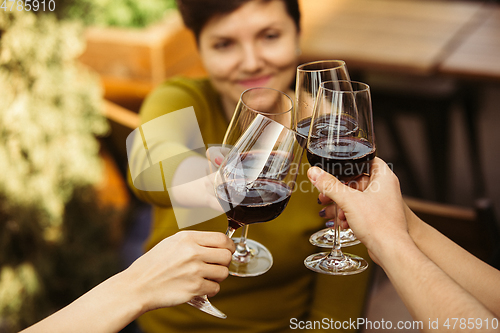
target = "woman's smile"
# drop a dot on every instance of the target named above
(260, 81)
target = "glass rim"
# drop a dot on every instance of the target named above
(289, 128)
(301, 67)
(267, 113)
(362, 86)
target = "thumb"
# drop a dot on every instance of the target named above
(330, 186)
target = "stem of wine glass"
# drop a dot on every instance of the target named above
(250, 257)
(336, 252)
(241, 248)
(230, 231)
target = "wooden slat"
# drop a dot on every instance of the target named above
(126, 92)
(420, 206)
(121, 115)
(463, 225)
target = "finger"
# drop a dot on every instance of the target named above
(214, 239)
(215, 157)
(359, 183)
(217, 153)
(209, 288)
(342, 215)
(330, 186)
(206, 239)
(344, 224)
(379, 168)
(216, 273)
(213, 255)
(329, 212)
(381, 173)
(323, 199)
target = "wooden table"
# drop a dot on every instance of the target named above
(478, 54)
(410, 42)
(410, 37)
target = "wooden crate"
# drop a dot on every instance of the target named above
(132, 61)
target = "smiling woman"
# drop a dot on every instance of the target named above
(244, 44)
(244, 50)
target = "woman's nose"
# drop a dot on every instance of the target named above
(251, 61)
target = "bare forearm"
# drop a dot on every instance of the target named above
(192, 185)
(476, 277)
(420, 283)
(109, 307)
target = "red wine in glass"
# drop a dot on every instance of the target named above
(338, 148)
(303, 126)
(344, 165)
(263, 201)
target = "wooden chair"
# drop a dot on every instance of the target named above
(431, 101)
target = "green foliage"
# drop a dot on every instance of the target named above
(51, 112)
(120, 13)
(53, 238)
(55, 274)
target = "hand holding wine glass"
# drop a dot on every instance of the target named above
(341, 142)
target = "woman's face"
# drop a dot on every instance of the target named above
(254, 46)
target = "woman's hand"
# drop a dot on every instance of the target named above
(187, 264)
(193, 184)
(215, 156)
(376, 215)
(359, 183)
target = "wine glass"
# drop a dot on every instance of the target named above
(341, 141)
(309, 78)
(251, 258)
(255, 180)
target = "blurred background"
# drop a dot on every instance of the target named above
(73, 80)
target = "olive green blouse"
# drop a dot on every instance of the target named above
(288, 293)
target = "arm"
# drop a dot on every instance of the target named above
(381, 220)
(478, 278)
(180, 267)
(167, 164)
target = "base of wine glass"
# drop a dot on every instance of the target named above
(344, 264)
(202, 303)
(324, 238)
(255, 260)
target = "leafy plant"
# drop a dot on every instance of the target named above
(52, 233)
(120, 13)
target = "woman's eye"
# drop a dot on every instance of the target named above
(223, 44)
(272, 36)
